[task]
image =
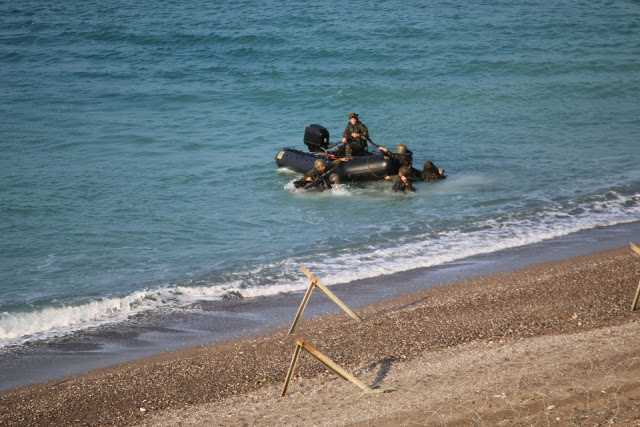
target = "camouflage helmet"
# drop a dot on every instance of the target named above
(318, 163)
(353, 116)
(401, 149)
(334, 178)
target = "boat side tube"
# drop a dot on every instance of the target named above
(366, 168)
(297, 160)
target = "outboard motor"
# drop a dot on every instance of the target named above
(316, 137)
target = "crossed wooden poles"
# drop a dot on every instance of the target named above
(303, 346)
(634, 306)
(330, 364)
(315, 283)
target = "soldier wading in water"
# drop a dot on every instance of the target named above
(319, 176)
(431, 172)
(403, 157)
(401, 182)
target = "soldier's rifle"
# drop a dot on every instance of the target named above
(374, 144)
(378, 147)
(335, 144)
(321, 177)
(317, 180)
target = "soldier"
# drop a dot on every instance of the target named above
(317, 176)
(403, 157)
(401, 182)
(430, 172)
(355, 137)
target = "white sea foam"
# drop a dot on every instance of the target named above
(415, 251)
(287, 171)
(289, 186)
(340, 190)
(48, 321)
(16, 328)
(492, 235)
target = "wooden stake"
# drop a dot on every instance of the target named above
(315, 283)
(303, 304)
(292, 367)
(330, 364)
(330, 294)
(634, 306)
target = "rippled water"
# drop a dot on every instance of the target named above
(138, 142)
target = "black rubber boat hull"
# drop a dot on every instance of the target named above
(365, 168)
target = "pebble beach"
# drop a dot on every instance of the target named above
(553, 344)
(152, 245)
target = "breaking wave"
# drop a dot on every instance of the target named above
(423, 250)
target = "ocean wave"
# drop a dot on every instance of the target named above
(51, 321)
(480, 237)
(375, 259)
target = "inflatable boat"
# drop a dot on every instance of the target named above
(369, 167)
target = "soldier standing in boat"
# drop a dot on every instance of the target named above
(355, 137)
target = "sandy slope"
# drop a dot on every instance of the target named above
(551, 344)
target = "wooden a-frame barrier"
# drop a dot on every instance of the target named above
(301, 345)
(330, 364)
(634, 306)
(315, 283)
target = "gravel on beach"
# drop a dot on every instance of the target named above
(562, 333)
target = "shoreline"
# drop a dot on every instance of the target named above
(561, 298)
(215, 322)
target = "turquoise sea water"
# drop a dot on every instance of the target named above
(137, 144)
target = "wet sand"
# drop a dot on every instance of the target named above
(555, 343)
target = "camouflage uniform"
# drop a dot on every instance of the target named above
(354, 146)
(400, 185)
(400, 160)
(314, 174)
(430, 172)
